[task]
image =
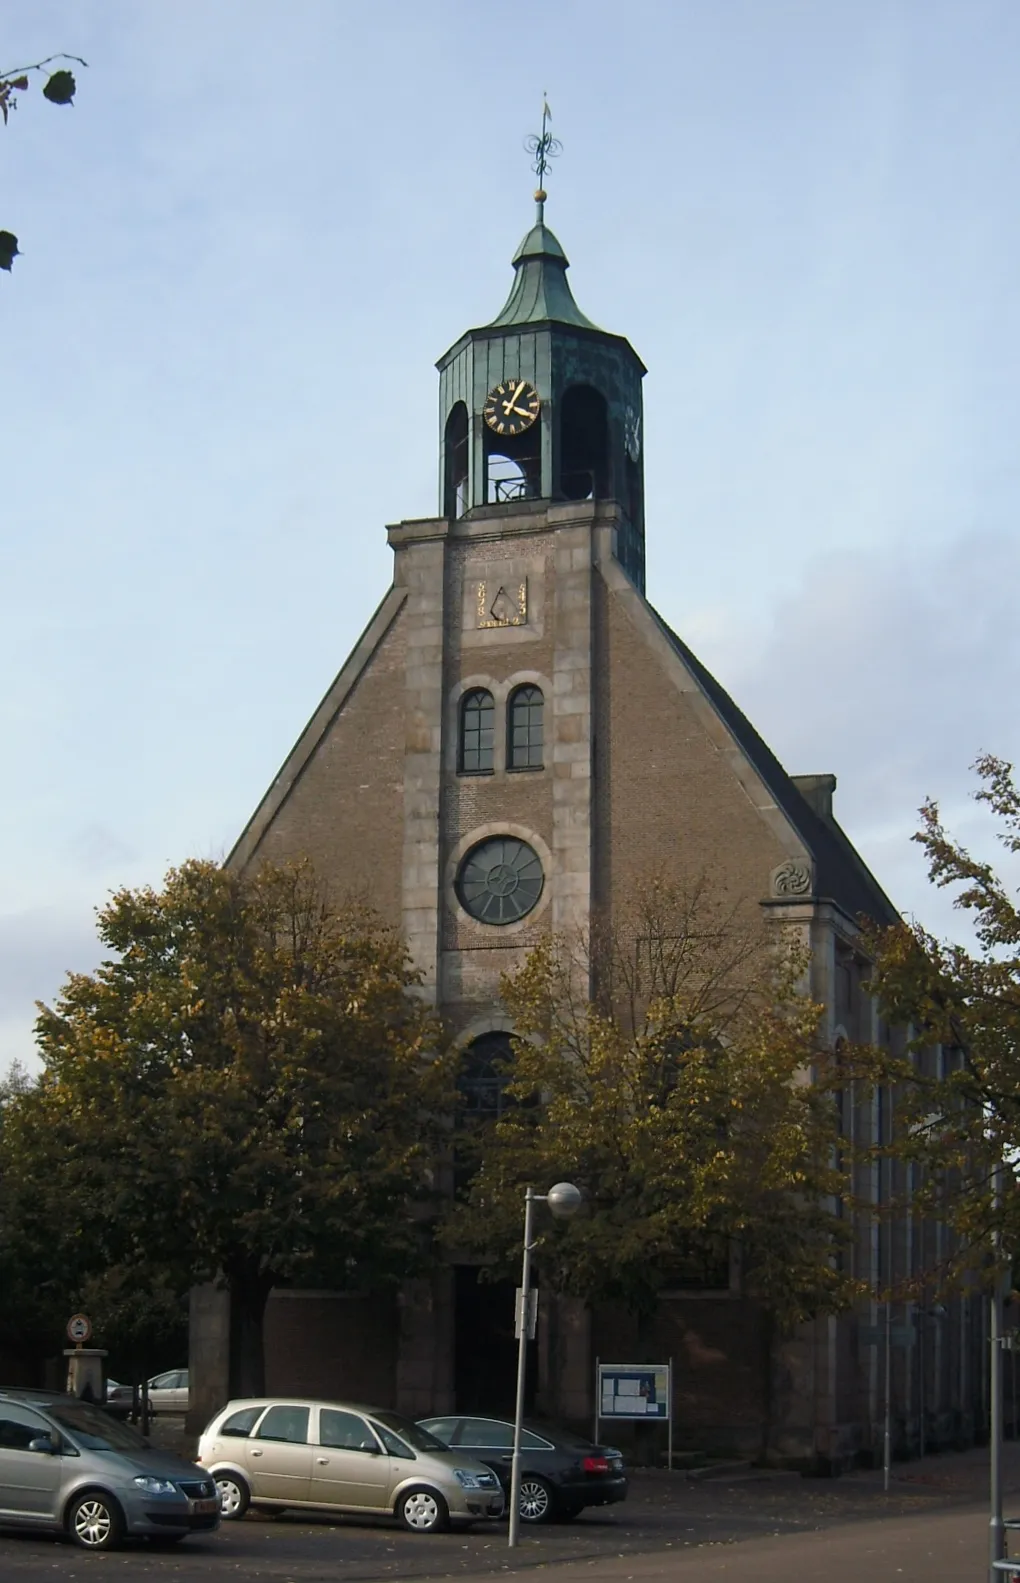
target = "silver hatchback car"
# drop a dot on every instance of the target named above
(271, 1454)
(67, 1465)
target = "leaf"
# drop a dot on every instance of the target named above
(20, 82)
(8, 249)
(61, 87)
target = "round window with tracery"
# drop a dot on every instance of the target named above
(500, 880)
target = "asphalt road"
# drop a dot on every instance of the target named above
(667, 1520)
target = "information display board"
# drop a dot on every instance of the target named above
(634, 1390)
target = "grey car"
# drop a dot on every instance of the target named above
(273, 1453)
(68, 1466)
(168, 1393)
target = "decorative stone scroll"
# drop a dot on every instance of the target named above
(503, 606)
(792, 878)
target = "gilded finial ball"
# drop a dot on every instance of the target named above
(540, 195)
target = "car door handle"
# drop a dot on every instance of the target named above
(256, 1453)
(323, 1462)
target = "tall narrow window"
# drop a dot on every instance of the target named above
(477, 721)
(524, 729)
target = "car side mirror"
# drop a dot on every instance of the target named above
(45, 1444)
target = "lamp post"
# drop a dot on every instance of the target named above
(564, 1200)
(996, 1528)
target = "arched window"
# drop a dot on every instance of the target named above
(524, 729)
(584, 444)
(455, 494)
(482, 1078)
(477, 730)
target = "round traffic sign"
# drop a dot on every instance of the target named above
(79, 1328)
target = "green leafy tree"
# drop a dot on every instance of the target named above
(956, 1080)
(246, 1090)
(679, 1103)
(59, 88)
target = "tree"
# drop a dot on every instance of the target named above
(59, 88)
(246, 1090)
(958, 1111)
(678, 1102)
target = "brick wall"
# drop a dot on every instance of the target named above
(667, 799)
(331, 1345)
(346, 811)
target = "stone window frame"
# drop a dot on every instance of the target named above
(463, 703)
(498, 827)
(501, 691)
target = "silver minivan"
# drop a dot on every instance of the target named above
(69, 1466)
(273, 1453)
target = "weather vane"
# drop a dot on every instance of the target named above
(542, 147)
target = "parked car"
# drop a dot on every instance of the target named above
(561, 1473)
(168, 1393)
(66, 1465)
(273, 1453)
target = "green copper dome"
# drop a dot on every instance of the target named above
(540, 291)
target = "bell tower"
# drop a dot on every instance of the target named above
(540, 404)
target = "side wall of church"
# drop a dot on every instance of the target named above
(667, 799)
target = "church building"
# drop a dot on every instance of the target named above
(517, 742)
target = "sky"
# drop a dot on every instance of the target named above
(259, 225)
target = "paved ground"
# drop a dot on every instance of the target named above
(930, 1527)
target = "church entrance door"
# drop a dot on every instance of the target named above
(485, 1360)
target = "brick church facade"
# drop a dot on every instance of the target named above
(517, 742)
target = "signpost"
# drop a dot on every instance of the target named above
(888, 1336)
(79, 1329)
(84, 1364)
(636, 1392)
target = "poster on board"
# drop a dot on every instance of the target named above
(633, 1390)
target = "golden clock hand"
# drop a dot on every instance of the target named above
(508, 406)
(520, 411)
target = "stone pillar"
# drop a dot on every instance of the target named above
(566, 1367)
(85, 1372)
(572, 721)
(425, 1349)
(421, 568)
(208, 1354)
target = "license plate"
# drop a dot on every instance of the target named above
(201, 1508)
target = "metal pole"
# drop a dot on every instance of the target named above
(887, 1431)
(996, 1532)
(522, 1357)
(921, 1317)
(669, 1409)
(598, 1383)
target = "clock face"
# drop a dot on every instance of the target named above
(511, 407)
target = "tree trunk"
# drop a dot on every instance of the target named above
(249, 1291)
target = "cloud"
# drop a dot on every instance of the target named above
(37, 949)
(894, 669)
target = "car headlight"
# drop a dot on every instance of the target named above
(467, 1480)
(154, 1486)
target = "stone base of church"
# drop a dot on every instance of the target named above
(812, 1400)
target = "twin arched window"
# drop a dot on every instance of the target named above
(524, 731)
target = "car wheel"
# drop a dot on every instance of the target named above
(423, 1511)
(234, 1495)
(536, 1500)
(94, 1521)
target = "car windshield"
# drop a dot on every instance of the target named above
(94, 1431)
(417, 1437)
